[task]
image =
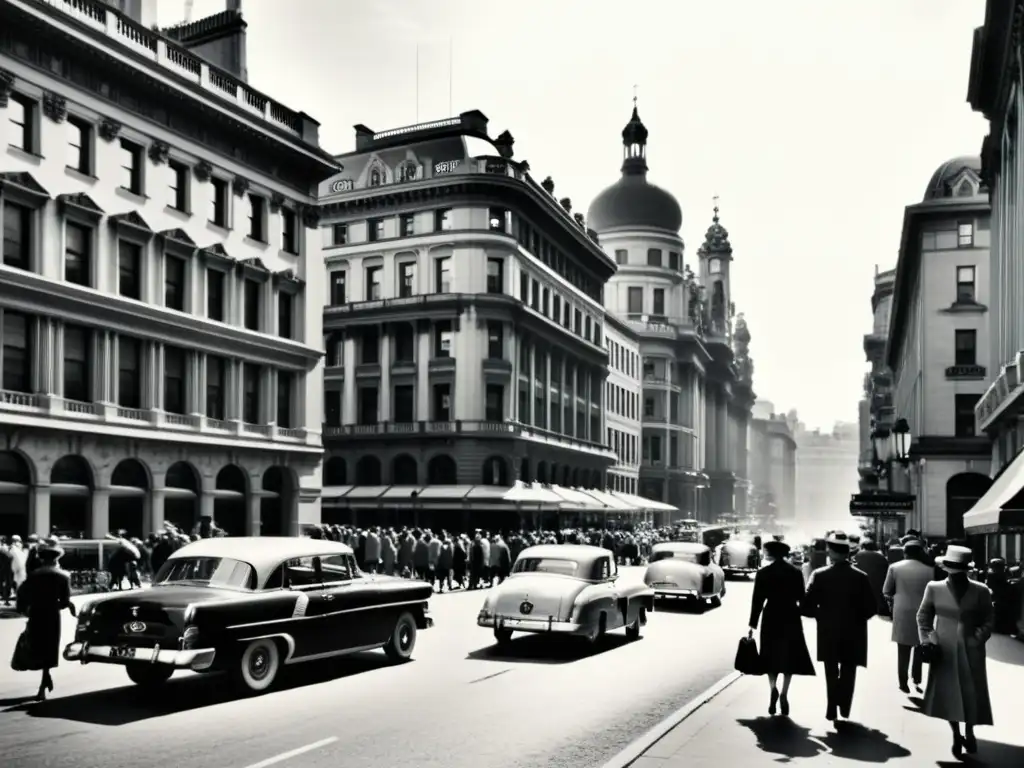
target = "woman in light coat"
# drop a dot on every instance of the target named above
(956, 616)
(904, 587)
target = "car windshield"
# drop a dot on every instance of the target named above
(546, 565)
(668, 554)
(206, 572)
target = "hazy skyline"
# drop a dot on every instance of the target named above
(815, 123)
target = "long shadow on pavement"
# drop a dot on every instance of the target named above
(539, 649)
(781, 736)
(991, 754)
(854, 741)
(129, 704)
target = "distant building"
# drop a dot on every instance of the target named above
(938, 348)
(772, 462)
(826, 470)
(623, 394)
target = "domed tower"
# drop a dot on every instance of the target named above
(715, 261)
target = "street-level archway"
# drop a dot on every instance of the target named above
(277, 502)
(442, 470)
(231, 494)
(129, 490)
(405, 470)
(15, 494)
(71, 485)
(962, 493)
(181, 496)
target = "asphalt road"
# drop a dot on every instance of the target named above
(460, 702)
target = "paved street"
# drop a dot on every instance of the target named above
(459, 703)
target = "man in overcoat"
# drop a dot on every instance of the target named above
(904, 589)
(840, 598)
(874, 564)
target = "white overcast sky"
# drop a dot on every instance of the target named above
(815, 121)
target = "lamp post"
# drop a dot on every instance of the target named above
(891, 446)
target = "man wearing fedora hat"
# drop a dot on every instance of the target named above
(904, 588)
(840, 598)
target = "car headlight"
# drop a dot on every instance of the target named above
(190, 638)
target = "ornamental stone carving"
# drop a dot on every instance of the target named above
(55, 106)
(240, 185)
(6, 86)
(311, 217)
(276, 202)
(548, 185)
(203, 170)
(159, 152)
(109, 129)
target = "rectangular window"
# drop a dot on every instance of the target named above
(369, 352)
(251, 386)
(408, 224)
(251, 300)
(17, 236)
(339, 234)
(635, 301)
(216, 386)
(442, 219)
(966, 346)
(21, 113)
(177, 186)
(404, 341)
(659, 301)
(77, 371)
(653, 257)
(174, 283)
(963, 419)
(405, 404)
(965, 235)
(443, 335)
(495, 276)
(16, 352)
(374, 276)
(174, 379)
(284, 399)
(79, 145)
(535, 295)
(131, 167)
(495, 340)
(257, 218)
(374, 230)
(673, 260)
(494, 403)
(78, 254)
(215, 294)
(442, 402)
(129, 268)
(965, 285)
(129, 372)
(496, 219)
(285, 313)
(406, 279)
(524, 287)
(289, 231)
(338, 295)
(219, 202)
(621, 256)
(369, 401)
(443, 274)
(332, 408)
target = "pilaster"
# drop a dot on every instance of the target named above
(40, 515)
(99, 522)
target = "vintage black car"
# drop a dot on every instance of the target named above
(248, 606)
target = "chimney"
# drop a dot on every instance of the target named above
(219, 39)
(140, 11)
(364, 137)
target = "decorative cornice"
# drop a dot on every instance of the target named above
(133, 220)
(24, 182)
(159, 152)
(965, 308)
(82, 202)
(239, 185)
(178, 236)
(288, 276)
(254, 266)
(216, 253)
(6, 86)
(276, 202)
(55, 106)
(203, 171)
(109, 129)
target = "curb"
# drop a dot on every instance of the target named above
(636, 749)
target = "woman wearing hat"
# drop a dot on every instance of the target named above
(778, 590)
(955, 619)
(45, 593)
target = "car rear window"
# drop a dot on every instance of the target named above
(668, 554)
(558, 566)
(207, 572)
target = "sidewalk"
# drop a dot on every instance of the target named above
(734, 727)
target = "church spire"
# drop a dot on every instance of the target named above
(716, 239)
(634, 143)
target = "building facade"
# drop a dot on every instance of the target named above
(160, 291)
(876, 409)
(826, 471)
(997, 91)
(772, 465)
(464, 324)
(623, 404)
(697, 372)
(938, 348)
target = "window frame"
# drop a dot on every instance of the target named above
(963, 284)
(963, 334)
(136, 171)
(86, 146)
(29, 129)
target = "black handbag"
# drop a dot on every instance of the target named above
(748, 660)
(24, 659)
(930, 653)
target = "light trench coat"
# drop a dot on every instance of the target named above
(958, 682)
(904, 585)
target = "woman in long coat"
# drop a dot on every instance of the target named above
(45, 593)
(956, 616)
(778, 590)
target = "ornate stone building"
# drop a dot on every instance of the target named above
(876, 407)
(697, 372)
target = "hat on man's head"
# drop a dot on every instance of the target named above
(956, 558)
(50, 549)
(776, 548)
(838, 541)
(910, 541)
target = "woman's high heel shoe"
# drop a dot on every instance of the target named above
(41, 693)
(784, 705)
(958, 746)
(970, 744)
(49, 684)
(774, 701)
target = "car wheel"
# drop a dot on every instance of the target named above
(716, 601)
(258, 665)
(597, 632)
(149, 675)
(403, 639)
(502, 636)
(723, 591)
(633, 630)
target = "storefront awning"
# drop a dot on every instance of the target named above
(579, 498)
(988, 514)
(612, 502)
(534, 493)
(638, 502)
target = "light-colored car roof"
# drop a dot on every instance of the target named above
(681, 546)
(264, 553)
(581, 553)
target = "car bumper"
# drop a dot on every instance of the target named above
(667, 591)
(197, 659)
(731, 569)
(520, 624)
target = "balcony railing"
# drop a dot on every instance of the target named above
(511, 428)
(112, 415)
(177, 59)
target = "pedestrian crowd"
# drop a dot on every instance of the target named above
(943, 612)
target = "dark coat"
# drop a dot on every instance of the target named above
(43, 595)
(840, 597)
(778, 590)
(875, 565)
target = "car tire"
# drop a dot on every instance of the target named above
(716, 601)
(596, 635)
(722, 594)
(258, 665)
(633, 630)
(502, 636)
(149, 675)
(403, 639)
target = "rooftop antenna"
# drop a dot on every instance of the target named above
(634, 95)
(715, 199)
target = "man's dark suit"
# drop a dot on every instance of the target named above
(841, 599)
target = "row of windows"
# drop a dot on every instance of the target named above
(17, 360)
(553, 306)
(403, 404)
(625, 445)
(81, 260)
(622, 484)
(557, 417)
(961, 237)
(622, 359)
(655, 258)
(406, 282)
(679, 454)
(621, 401)
(172, 184)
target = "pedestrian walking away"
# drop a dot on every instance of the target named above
(778, 591)
(904, 589)
(840, 598)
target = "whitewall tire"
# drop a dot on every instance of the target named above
(403, 639)
(258, 665)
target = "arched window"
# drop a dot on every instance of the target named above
(407, 171)
(442, 471)
(368, 471)
(335, 471)
(496, 472)
(375, 177)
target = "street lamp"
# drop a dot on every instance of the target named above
(881, 441)
(901, 442)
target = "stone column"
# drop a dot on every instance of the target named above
(207, 505)
(99, 522)
(385, 375)
(423, 355)
(156, 510)
(532, 388)
(39, 522)
(253, 522)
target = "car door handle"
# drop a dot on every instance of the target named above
(328, 597)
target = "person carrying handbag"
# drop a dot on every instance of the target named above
(904, 588)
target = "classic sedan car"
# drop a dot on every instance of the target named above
(682, 569)
(567, 589)
(248, 606)
(739, 557)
